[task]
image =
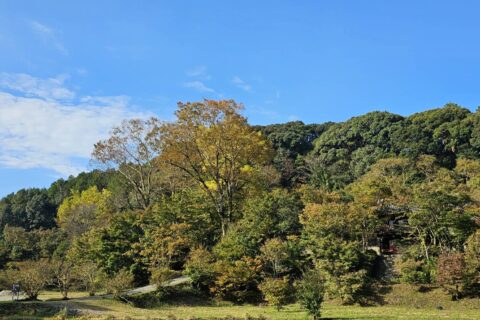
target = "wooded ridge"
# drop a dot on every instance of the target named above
(259, 212)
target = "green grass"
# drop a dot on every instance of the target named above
(119, 310)
(401, 302)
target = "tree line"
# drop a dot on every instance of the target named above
(279, 212)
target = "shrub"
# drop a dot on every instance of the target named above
(119, 283)
(472, 263)
(451, 272)
(311, 291)
(153, 299)
(89, 275)
(161, 276)
(199, 268)
(413, 271)
(237, 281)
(277, 292)
(350, 287)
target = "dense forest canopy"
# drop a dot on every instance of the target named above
(245, 211)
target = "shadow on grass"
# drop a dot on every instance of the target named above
(27, 309)
(172, 298)
(79, 305)
(374, 295)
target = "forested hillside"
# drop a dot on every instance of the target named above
(249, 211)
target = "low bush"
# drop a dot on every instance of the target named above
(160, 276)
(277, 292)
(199, 269)
(153, 299)
(414, 271)
(237, 281)
(118, 284)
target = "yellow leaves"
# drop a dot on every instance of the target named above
(246, 169)
(90, 197)
(326, 214)
(211, 185)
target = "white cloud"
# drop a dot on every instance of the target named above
(199, 86)
(41, 130)
(48, 35)
(51, 89)
(241, 84)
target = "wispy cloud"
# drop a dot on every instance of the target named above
(274, 99)
(200, 78)
(265, 112)
(239, 83)
(42, 130)
(198, 72)
(51, 88)
(48, 35)
(199, 86)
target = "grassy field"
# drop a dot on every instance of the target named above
(402, 302)
(119, 310)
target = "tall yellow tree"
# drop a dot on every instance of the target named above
(214, 145)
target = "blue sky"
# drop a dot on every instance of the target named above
(70, 70)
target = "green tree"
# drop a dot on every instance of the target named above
(116, 246)
(439, 218)
(310, 292)
(434, 132)
(346, 150)
(345, 267)
(18, 243)
(199, 268)
(265, 215)
(28, 209)
(61, 188)
(292, 141)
